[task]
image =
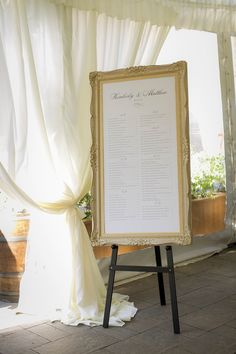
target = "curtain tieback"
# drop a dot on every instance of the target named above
(61, 207)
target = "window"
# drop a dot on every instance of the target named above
(200, 51)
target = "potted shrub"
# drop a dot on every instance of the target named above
(208, 193)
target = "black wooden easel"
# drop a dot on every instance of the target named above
(158, 269)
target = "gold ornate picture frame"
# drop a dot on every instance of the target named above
(140, 156)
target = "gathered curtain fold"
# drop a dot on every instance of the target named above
(46, 53)
(206, 15)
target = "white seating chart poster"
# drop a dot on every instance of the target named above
(140, 156)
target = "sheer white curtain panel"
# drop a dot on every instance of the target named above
(46, 53)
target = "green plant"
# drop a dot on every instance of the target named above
(207, 175)
(85, 205)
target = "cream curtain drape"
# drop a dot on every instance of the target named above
(46, 53)
(205, 15)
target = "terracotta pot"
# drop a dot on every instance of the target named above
(208, 214)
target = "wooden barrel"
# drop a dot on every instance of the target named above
(12, 257)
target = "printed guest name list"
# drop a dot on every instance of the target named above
(140, 156)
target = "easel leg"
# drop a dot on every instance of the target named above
(110, 286)
(174, 305)
(160, 276)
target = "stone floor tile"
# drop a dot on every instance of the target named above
(176, 350)
(156, 312)
(28, 351)
(160, 313)
(231, 349)
(231, 299)
(203, 297)
(159, 338)
(229, 255)
(185, 330)
(20, 341)
(189, 331)
(231, 323)
(32, 324)
(226, 284)
(197, 267)
(102, 351)
(193, 282)
(178, 274)
(129, 346)
(49, 332)
(77, 344)
(225, 331)
(210, 317)
(140, 324)
(116, 332)
(210, 344)
(224, 269)
(140, 304)
(186, 308)
(150, 296)
(7, 331)
(137, 285)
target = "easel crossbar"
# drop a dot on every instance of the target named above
(131, 268)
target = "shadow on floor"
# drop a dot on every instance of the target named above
(207, 307)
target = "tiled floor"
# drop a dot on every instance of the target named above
(207, 306)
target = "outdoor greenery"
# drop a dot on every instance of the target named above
(85, 205)
(207, 175)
